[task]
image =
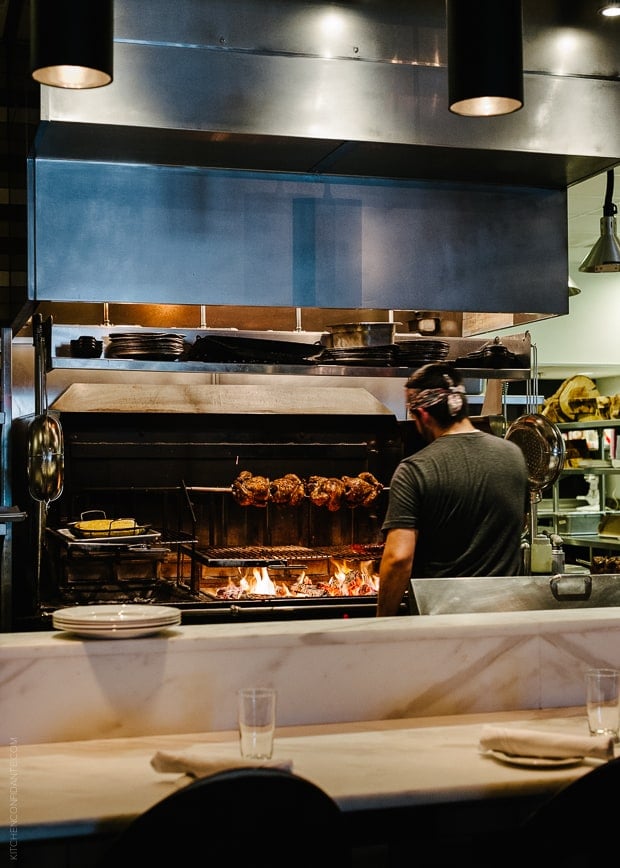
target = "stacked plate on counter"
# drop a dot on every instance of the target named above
(116, 621)
(238, 350)
(418, 351)
(383, 356)
(145, 346)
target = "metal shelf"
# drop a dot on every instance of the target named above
(59, 357)
(586, 425)
(592, 541)
(599, 470)
(310, 370)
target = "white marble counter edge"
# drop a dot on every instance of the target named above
(459, 733)
(316, 632)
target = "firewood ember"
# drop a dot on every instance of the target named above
(308, 590)
(361, 490)
(326, 491)
(249, 490)
(288, 490)
(230, 592)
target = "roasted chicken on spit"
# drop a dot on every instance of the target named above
(361, 490)
(249, 490)
(326, 491)
(289, 490)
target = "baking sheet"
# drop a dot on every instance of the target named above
(128, 541)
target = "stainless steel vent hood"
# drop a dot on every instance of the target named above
(344, 89)
(330, 120)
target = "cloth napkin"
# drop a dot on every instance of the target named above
(198, 761)
(529, 742)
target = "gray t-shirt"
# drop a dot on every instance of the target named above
(467, 495)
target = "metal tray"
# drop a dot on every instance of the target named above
(128, 541)
(513, 593)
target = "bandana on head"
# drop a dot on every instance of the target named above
(453, 396)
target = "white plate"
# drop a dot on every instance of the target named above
(111, 633)
(117, 624)
(120, 628)
(535, 762)
(117, 614)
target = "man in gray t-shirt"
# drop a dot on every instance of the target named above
(458, 506)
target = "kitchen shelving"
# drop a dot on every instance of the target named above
(600, 467)
(59, 356)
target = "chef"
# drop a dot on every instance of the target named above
(458, 506)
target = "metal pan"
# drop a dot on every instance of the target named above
(543, 447)
(106, 528)
(45, 458)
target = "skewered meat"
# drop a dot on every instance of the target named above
(288, 490)
(326, 491)
(361, 490)
(249, 490)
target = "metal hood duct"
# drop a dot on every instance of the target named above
(331, 121)
(340, 89)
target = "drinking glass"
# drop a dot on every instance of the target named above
(603, 701)
(257, 721)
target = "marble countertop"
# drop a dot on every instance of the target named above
(57, 687)
(82, 788)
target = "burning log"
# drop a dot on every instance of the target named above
(359, 580)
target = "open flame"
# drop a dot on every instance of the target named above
(347, 580)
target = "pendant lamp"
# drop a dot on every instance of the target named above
(605, 255)
(485, 57)
(71, 42)
(610, 10)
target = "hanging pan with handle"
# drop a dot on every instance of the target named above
(543, 447)
(45, 458)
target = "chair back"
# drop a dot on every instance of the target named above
(260, 815)
(576, 826)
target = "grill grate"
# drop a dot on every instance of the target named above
(294, 553)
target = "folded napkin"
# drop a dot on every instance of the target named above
(198, 762)
(529, 742)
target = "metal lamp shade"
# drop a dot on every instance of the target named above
(605, 255)
(485, 57)
(71, 42)
(610, 10)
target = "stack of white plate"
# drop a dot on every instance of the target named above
(116, 621)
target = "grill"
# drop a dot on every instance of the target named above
(169, 457)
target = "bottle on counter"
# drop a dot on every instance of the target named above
(558, 561)
(541, 558)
